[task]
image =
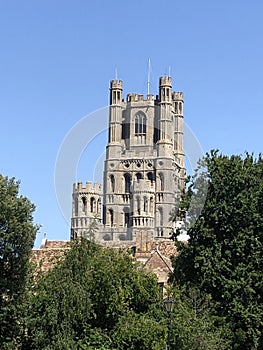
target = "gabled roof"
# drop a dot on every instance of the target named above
(160, 265)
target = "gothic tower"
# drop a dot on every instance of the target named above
(144, 166)
(86, 207)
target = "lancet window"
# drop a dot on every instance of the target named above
(140, 124)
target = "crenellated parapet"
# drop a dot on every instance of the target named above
(165, 81)
(139, 98)
(116, 84)
(86, 207)
(140, 186)
(177, 96)
(88, 188)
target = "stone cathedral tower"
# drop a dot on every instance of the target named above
(143, 171)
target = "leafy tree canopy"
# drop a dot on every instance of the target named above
(102, 299)
(86, 297)
(17, 235)
(223, 257)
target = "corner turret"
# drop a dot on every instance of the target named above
(115, 92)
(165, 89)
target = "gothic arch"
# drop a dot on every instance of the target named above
(138, 204)
(127, 217)
(76, 205)
(140, 123)
(145, 204)
(160, 216)
(112, 183)
(99, 206)
(180, 108)
(139, 176)
(127, 183)
(84, 204)
(150, 176)
(92, 205)
(159, 220)
(111, 217)
(176, 107)
(160, 182)
(151, 204)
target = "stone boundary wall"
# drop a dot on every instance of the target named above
(155, 255)
(49, 254)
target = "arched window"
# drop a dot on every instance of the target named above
(76, 206)
(160, 221)
(114, 97)
(99, 206)
(161, 177)
(145, 204)
(176, 107)
(92, 205)
(150, 176)
(160, 217)
(84, 204)
(151, 204)
(112, 183)
(138, 203)
(111, 218)
(180, 108)
(127, 179)
(126, 217)
(139, 176)
(140, 124)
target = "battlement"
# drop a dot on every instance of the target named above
(139, 97)
(145, 138)
(176, 96)
(79, 187)
(116, 84)
(165, 81)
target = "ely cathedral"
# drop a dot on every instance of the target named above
(143, 171)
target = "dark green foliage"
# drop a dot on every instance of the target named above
(223, 257)
(85, 297)
(139, 331)
(193, 326)
(90, 233)
(17, 235)
(102, 299)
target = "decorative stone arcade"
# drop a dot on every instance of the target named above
(143, 171)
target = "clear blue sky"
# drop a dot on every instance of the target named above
(57, 58)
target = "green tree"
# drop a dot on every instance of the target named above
(91, 232)
(223, 257)
(139, 331)
(17, 235)
(193, 326)
(83, 300)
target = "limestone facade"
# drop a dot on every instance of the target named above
(143, 171)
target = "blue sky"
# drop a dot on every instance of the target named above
(57, 58)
